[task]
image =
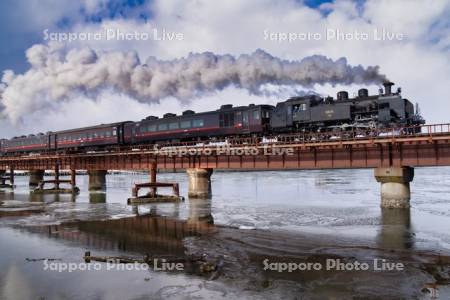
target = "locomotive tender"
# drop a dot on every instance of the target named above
(298, 114)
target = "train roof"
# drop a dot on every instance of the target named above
(225, 107)
(91, 127)
(23, 137)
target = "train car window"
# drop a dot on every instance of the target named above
(151, 128)
(108, 134)
(226, 119)
(245, 118)
(265, 114)
(162, 127)
(114, 132)
(185, 124)
(173, 125)
(303, 107)
(256, 115)
(197, 123)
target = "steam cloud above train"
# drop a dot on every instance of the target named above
(58, 74)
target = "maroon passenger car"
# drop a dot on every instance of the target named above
(227, 120)
(31, 143)
(95, 136)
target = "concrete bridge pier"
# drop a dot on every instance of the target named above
(395, 191)
(35, 177)
(97, 180)
(199, 182)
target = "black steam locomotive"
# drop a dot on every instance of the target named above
(299, 114)
(312, 113)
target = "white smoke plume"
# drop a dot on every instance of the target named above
(58, 74)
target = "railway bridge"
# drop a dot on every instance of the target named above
(392, 153)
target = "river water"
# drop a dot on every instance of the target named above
(254, 223)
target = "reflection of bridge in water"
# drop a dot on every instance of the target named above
(149, 233)
(157, 234)
(141, 234)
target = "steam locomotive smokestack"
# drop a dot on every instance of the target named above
(59, 74)
(388, 87)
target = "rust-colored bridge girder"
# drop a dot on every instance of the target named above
(413, 151)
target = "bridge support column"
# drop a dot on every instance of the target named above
(73, 178)
(153, 190)
(35, 177)
(11, 176)
(199, 182)
(395, 192)
(97, 180)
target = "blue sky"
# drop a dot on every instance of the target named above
(21, 28)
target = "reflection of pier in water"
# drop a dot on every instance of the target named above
(395, 232)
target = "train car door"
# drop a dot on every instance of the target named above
(119, 132)
(133, 133)
(245, 121)
(52, 141)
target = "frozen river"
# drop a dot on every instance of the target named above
(298, 216)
